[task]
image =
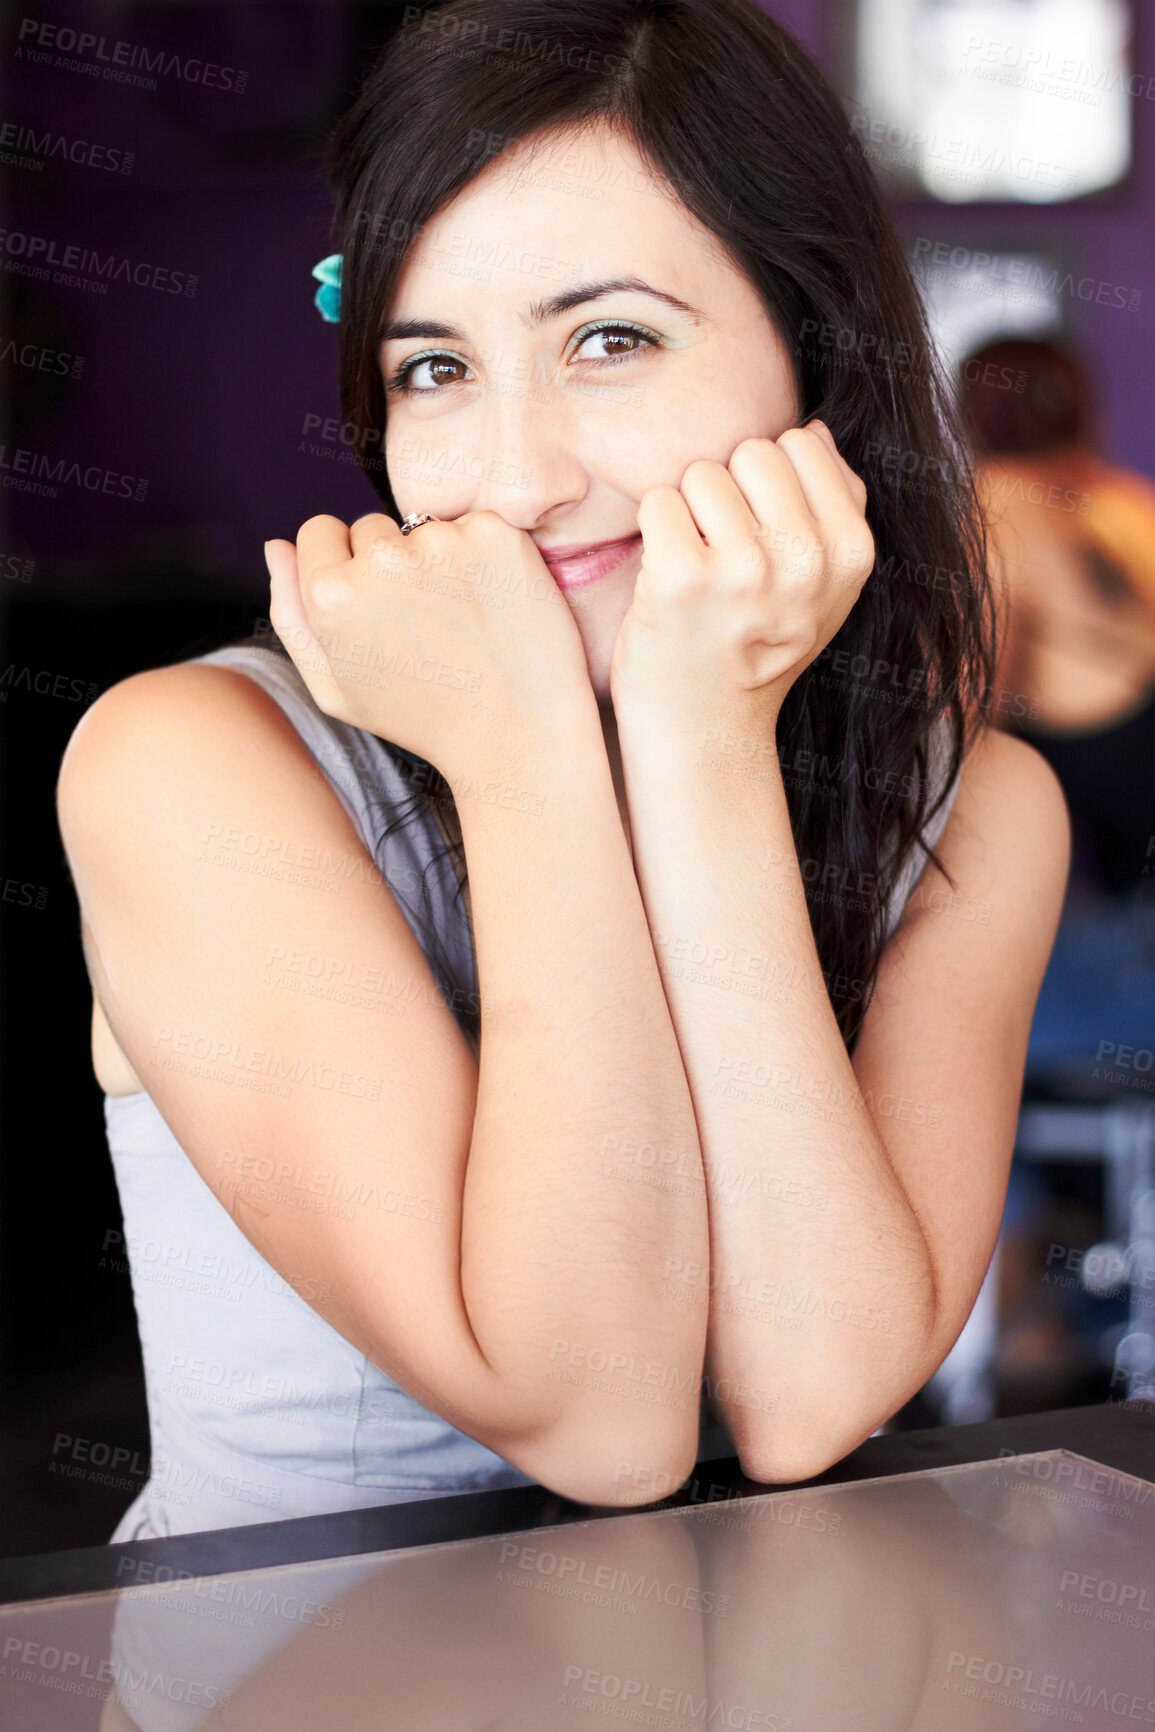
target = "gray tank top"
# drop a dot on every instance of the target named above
(258, 1409)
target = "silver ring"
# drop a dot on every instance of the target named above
(415, 520)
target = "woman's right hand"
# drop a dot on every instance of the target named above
(447, 641)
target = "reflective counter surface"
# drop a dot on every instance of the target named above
(997, 1594)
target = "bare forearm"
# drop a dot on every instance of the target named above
(820, 1288)
(565, 1240)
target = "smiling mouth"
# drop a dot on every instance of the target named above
(573, 568)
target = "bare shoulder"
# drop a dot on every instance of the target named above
(1006, 850)
(999, 765)
(165, 717)
(1010, 810)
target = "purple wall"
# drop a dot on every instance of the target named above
(202, 395)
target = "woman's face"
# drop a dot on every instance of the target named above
(567, 337)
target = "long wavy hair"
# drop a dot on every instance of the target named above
(726, 109)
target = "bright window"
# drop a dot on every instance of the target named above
(971, 101)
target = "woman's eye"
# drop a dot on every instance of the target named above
(423, 375)
(429, 373)
(616, 342)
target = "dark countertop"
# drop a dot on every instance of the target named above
(1118, 1435)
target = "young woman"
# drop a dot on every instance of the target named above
(588, 977)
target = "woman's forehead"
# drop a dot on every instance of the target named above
(551, 212)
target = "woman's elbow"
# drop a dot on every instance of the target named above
(613, 1467)
(785, 1456)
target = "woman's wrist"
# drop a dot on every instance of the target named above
(740, 743)
(527, 763)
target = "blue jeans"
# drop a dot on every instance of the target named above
(1098, 993)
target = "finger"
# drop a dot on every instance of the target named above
(838, 515)
(322, 541)
(853, 480)
(289, 620)
(286, 609)
(717, 505)
(816, 469)
(672, 549)
(769, 483)
(372, 527)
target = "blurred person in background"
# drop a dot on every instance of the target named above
(1071, 548)
(1072, 551)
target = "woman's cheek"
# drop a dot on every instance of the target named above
(419, 478)
(654, 453)
(655, 443)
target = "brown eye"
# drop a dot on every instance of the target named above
(618, 341)
(615, 342)
(446, 371)
(429, 372)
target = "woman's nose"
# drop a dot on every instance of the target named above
(531, 449)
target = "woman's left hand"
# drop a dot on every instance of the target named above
(748, 570)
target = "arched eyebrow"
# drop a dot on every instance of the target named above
(540, 312)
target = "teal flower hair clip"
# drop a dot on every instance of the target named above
(327, 300)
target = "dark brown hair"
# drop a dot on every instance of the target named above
(725, 108)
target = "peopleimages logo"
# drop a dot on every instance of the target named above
(24, 147)
(1017, 277)
(121, 62)
(80, 267)
(1016, 1685)
(37, 472)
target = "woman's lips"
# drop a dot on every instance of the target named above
(572, 569)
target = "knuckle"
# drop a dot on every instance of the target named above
(331, 592)
(856, 553)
